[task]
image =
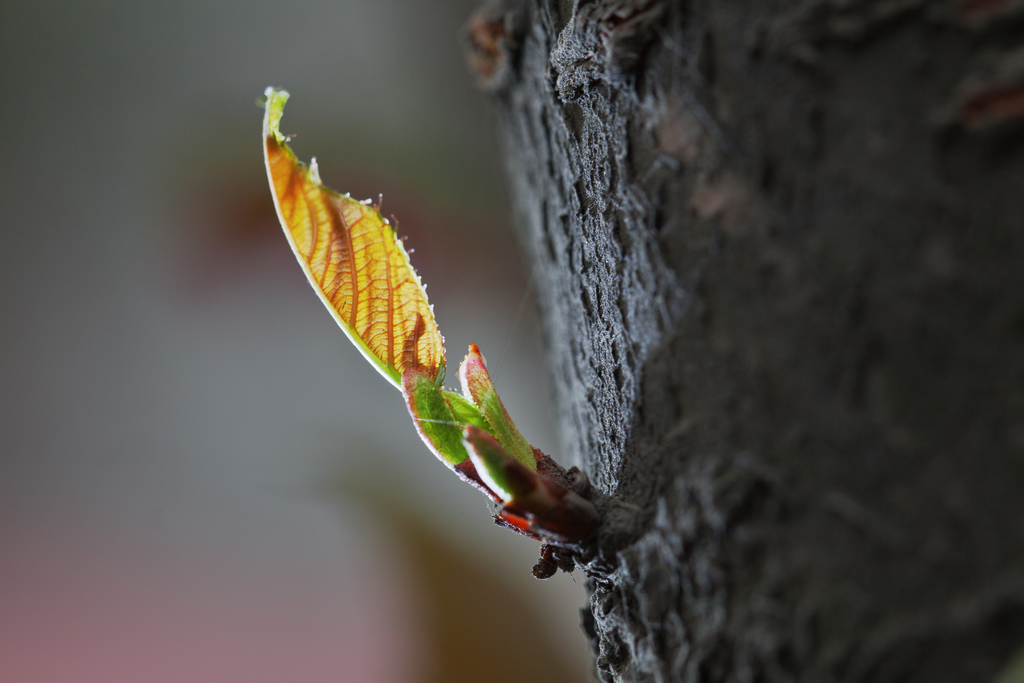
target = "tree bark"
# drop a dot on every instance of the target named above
(779, 256)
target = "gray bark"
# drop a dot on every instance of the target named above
(779, 256)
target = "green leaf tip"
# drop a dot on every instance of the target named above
(478, 388)
(274, 100)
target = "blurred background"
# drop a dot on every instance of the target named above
(200, 477)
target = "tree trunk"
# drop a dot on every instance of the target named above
(779, 255)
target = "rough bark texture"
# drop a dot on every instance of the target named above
(779, 251)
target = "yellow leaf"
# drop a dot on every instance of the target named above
(354, 261)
